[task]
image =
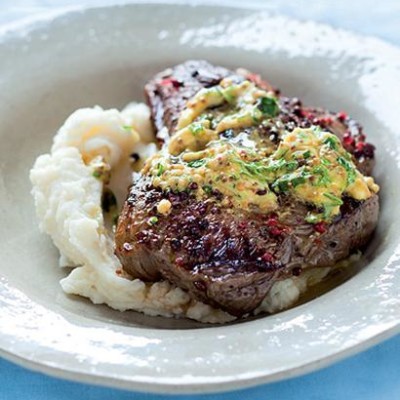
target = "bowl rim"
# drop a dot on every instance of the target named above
(160, 385)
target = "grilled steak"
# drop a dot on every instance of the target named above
(229, 256)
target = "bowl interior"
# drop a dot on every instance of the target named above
(104, 56)
(82, 63)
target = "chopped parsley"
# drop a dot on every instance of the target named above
(281, 185)
(298, 180)
(256, 116)
(196, 163)
(127, 128)
(334, 200)
(323, 175)
(268, 106)
(207, 189)
(253, 169)
(325, 161)
(332, 142)
(229, 94)
(196, 128)
(152, 220)
(285, 182)
(160, 169)
(312, 218)
(350, 169)
(280, 164)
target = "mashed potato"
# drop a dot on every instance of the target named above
(68, 204)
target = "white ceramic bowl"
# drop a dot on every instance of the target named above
(104, 56)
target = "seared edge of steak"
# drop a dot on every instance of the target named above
(231, 259)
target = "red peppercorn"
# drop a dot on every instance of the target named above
(341, 115)
(171, 82)
(348, 140)
(267, 257)
(360, 145)
(317, 242)
(253, 77)
(327, 120)
(257, 80)
(320, 227)
(271, 217)
(368, 150)
(272, 221)
(275, 231)
(322, 121)
(242, 225)
(307, 114)
(179, 261)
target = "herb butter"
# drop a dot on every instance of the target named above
(240, 105)
(241, 169)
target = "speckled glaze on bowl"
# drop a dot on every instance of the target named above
(103, 56)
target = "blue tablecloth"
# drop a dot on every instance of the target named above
(371, 375)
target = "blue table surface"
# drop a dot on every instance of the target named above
(371, 375)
